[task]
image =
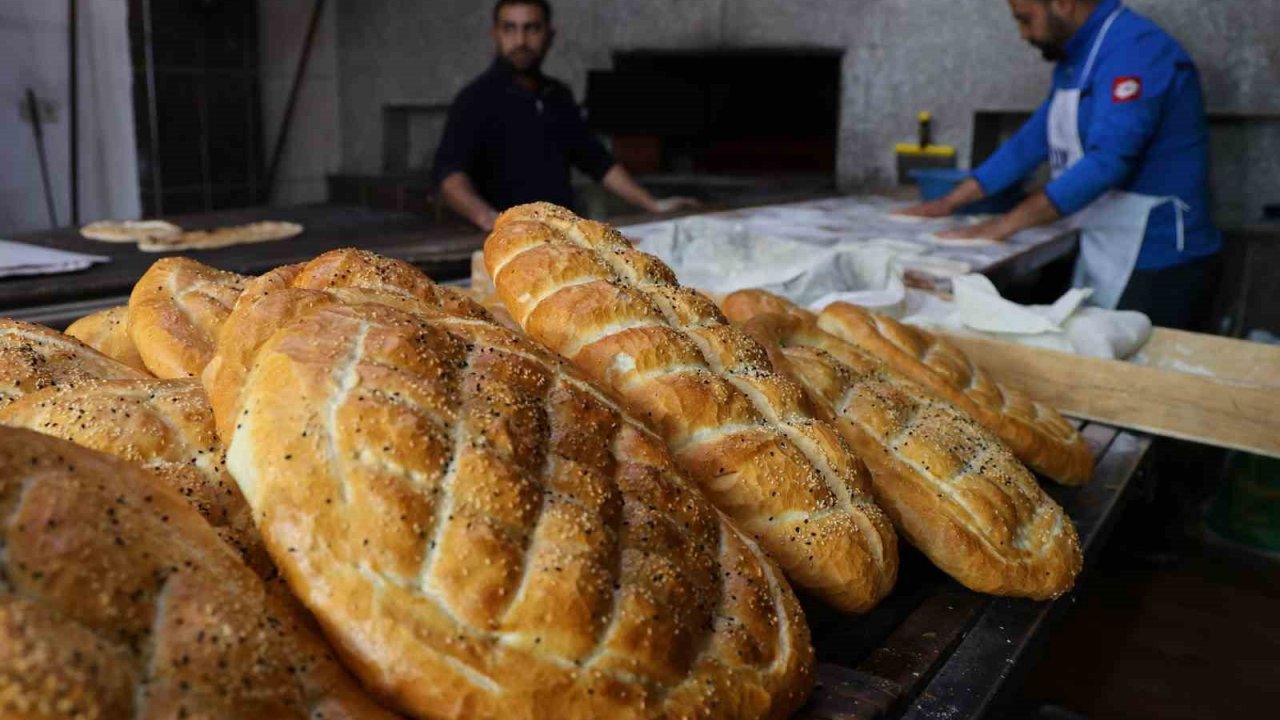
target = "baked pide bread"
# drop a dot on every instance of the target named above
(481, 532)
(129, 231)
(257, 232)
(34, 357)
(952, 488)
(117, 600)
(165, 426)
(175, 312)
(1038, 435)
(746, 433)
(107, 331)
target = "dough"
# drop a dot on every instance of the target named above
(127, 231)
(221, 237)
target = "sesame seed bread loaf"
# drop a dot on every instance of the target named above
(1038, 435)
(481, 532)
(164, 425)
(747, 434)
(34, 357)
(952, 488)
(117, 600)
(107, 331)
(175, 312)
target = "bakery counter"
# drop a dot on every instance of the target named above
(935, 650)
(441, 250)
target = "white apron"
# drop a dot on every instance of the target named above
(1113, 226)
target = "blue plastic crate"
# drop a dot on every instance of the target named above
(937, 182)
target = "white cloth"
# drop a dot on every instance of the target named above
(721, 256)
(1066, 326)
(23, 259)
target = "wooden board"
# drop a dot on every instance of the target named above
(1227, 359)
(1234, 409)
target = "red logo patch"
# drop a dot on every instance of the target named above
(1126, 89)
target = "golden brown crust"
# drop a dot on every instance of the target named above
(480, 531)
(175, 312)
(117, 600)
(107, 331)
(746, 433)
(34, 357)
(952, 488)
(1038, 435)
(164, 425)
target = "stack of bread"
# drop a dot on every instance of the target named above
(340, 490)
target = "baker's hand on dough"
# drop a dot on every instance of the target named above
(933, 209)
(994, 230)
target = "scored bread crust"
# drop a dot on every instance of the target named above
(952, 488)
(481, 532)
(34, 357)
(1036, 433)
(746, 433)
(107, 331)
(118, 600)
(175, 312)
(164, 425)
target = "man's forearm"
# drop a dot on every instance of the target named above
(619, 182)
(1035, 211)
(968, 191)
(461, 195)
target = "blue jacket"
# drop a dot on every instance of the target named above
(1144, 130)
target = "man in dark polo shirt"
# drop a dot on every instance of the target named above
(513, 133)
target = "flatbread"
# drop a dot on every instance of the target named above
(127, 231)
(222, 237)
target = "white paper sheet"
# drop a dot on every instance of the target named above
(23, 259)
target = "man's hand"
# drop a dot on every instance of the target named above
(664, 206)
(462, 196)
(995, 230)
(966, 192)
(933, 209)
(1035, 211)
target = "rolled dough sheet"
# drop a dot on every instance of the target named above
(937, 239)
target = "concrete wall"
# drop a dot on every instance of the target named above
(952, 57)
(314, 147)
(34, 54)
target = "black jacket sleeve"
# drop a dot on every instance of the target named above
(460, 142)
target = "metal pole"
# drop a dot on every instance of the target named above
(152, 117)
(316, 12)
(33, 107)
(75, 114)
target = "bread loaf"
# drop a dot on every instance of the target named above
(107, 331)
(33, 357)
(164, 425)
(117, 600)
(482, 533)
(952, 488)
(1038, 435)
(747, 434)
(175, 312)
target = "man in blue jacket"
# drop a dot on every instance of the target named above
(1125, 133)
